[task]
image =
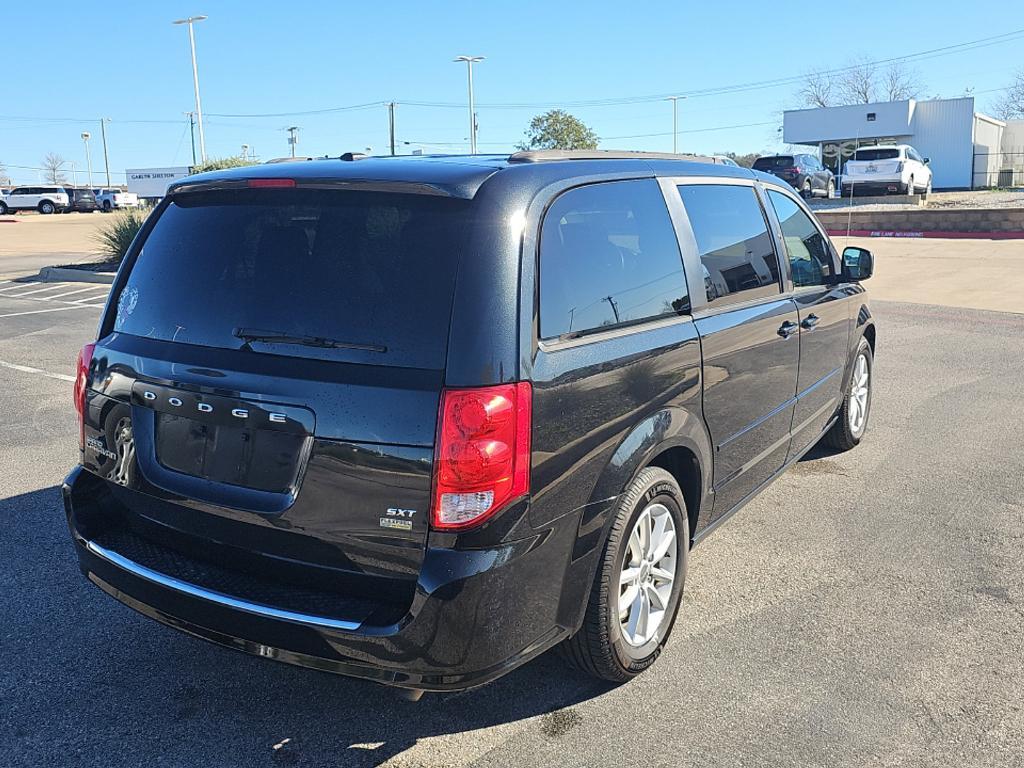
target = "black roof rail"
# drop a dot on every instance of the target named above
(545, 155)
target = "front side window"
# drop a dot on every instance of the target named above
(732, 238)
(609, 257)
(810, 258)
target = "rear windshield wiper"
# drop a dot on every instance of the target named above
(249, 335)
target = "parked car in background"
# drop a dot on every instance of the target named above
(45, 198)
(112, 199)
(804, 173)
(509, 439)
(723, 160)
(881, 170)
(81, 200)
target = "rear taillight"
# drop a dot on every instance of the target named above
(483, 453)
(794, 170)
(81, 382)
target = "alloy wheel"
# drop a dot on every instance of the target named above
(859, 392)
(647, 575)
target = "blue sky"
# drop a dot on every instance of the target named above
(79, 61)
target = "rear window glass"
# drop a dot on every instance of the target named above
(358, 276)
(768, 163)
(877, 154)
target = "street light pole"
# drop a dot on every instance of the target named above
(470, 61)
(675, 120)
(195, 80)
(293, 138)
(88, 157)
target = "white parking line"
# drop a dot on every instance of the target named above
(17, 287)
(52, 309)
(56, 286)
(77, 290)
(90, 298)
(37, 371)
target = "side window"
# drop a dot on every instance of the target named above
(19, 191)
(732, 237)
(810, 258)
(608, 256)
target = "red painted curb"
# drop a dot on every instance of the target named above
(922, 234)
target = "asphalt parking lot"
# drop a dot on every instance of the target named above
(868, 609)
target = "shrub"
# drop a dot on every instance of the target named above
(117, 234)
(220, 163)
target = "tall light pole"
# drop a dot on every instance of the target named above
(293, 137)
(675, 119)
(195, 80)
(470, 61)
(88, 157)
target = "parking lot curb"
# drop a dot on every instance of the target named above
(65, 275)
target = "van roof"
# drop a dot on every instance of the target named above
(462, 175)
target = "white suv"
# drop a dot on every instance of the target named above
(45, 199)
(889, 168)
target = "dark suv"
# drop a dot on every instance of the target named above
(418, 420)
(804, 173)
(81, 200)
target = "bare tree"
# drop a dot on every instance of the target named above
(817, 90)
(857, 84)
(899, 82)
(5, 179)
(52, 165)
(1010, 104)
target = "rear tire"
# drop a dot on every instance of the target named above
(830, 190)
(614, 644)
(910, 185)
(3, 208)
(852, 423)
(806, 192)
(106, 206)
(46, 207)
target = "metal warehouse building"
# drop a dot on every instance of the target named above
(967, 149)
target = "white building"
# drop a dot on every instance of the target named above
(966, 149)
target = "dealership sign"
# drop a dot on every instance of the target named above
(152, 182)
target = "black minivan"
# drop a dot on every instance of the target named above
(418, 420)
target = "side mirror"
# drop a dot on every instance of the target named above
(927, 160)
(858, 263)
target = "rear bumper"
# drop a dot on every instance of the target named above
(875, 185)
(476, 614)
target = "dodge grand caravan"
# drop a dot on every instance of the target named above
(418, 420)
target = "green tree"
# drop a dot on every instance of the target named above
(557, 129)
(220, 163)
(745, 161)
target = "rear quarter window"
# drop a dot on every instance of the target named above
(370, 269)
(609, 257)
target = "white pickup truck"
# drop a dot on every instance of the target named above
(894, 168)
(110, 199)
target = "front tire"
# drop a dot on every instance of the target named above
(852, 423)
(639, 583)
(806, 192)
(830, 190)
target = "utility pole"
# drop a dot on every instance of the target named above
(675, 120)
(106, 160)
(391, 125)
(192, 130)
(615, 307)
(293, 137)
(470, 61)
(195, 79)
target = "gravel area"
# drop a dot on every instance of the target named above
(972, 199)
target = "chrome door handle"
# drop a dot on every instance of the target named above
(809, 322)
(787, 329)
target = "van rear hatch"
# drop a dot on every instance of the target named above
(266, 388)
